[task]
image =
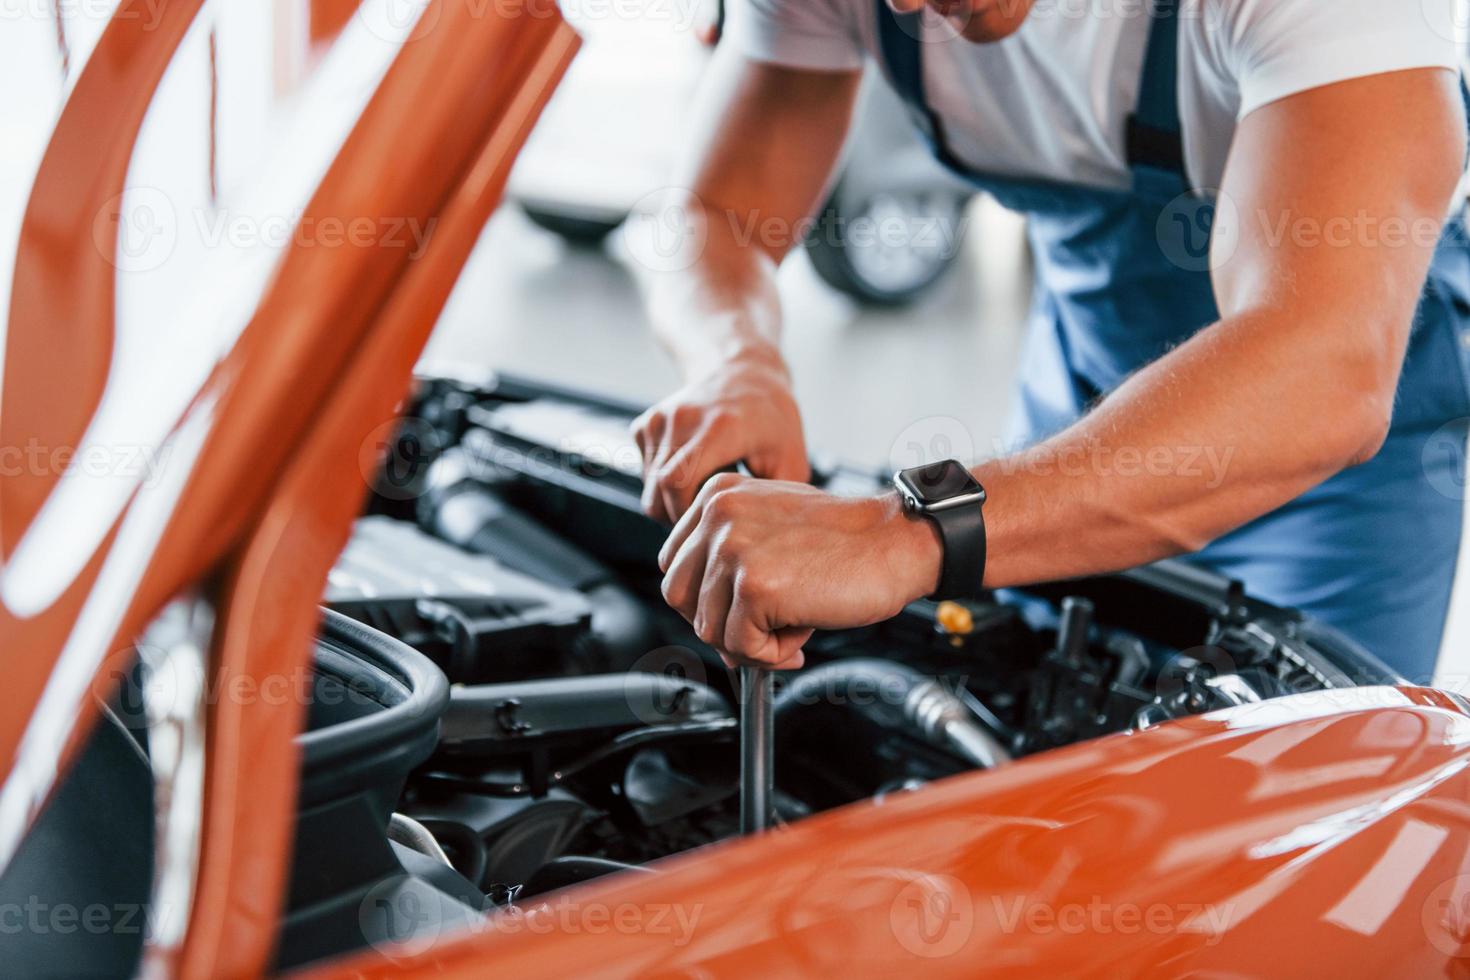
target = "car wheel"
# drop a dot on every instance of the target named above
(890, 248)
(577, 230)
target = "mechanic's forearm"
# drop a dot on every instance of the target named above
(722, 308)
(1245, 417)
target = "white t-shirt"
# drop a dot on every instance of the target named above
(1051, 101)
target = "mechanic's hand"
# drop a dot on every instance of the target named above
(756, 566)
(743, 412)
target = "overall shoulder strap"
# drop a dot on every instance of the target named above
(900, 44)
(1155, 139)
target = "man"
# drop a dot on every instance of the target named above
(1321, 349)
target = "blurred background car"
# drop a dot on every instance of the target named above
(611, 136)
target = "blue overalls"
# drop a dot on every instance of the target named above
(1122, 276)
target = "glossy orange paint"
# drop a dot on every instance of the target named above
(270, 609)
(326, 18)
(1320, 835)
(59, 340)
(327, 354)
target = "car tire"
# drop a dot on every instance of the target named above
(576, 230)
(879, 270)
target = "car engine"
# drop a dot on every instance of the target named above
(584, 730)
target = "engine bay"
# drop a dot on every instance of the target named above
(584, 730)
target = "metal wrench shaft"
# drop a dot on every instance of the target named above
(757, 748)
(757, 736)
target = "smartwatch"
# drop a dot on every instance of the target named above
(946, 494)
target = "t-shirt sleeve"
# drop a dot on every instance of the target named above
(1279, 48)
(814, 34)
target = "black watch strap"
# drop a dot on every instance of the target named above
(962, 531)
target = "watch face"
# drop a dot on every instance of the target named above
(940, 483)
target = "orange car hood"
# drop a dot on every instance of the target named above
(1321, 832)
